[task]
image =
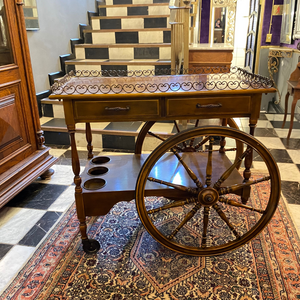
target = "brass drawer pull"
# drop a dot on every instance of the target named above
(117, 108)
(208, 105)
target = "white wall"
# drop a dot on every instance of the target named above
(59, 22)
(240, 33)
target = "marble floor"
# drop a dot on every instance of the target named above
(27, 219)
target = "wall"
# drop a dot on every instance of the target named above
(58, 24)
(205, 18)
(286, 65)
(240, 33)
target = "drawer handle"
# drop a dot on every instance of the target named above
(208, 105)
(117, 108)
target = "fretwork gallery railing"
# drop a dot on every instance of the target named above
(93, 82)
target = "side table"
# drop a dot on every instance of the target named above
(292, 90)
(273, 63)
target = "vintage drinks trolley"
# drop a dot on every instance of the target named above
(205, 190)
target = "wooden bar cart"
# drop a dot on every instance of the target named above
(200, 183)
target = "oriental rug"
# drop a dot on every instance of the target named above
(131, 265)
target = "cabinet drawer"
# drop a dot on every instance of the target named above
(208, 106)
(116, 110)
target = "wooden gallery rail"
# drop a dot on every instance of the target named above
(203, 191)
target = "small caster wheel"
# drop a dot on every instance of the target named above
(90, 246)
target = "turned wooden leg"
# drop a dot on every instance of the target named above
(295, 100)
(222, 140)
(248, 163)
(88, 134)
(47, 174)
(285, 108)
(77, 180)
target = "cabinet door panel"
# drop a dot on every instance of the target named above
(12, 134)
(17, 136)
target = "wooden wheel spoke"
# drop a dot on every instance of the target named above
(189, 215)
(236, 187)
(209, 163)
(237, 204)
(156, 136)
(229, 149)
(175, 186)
(177, 127)
(209, 220)
(189, 171)
(205, 225)
(226, 174)
(162, 139)
(201, 143)
(225, 219)
(178, 130)
(171, 205)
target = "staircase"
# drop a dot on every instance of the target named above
(125, 35)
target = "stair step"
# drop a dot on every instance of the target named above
(130, 22)
(117, 62)
(122, 65)
(109, 3)
(130, 17)
(117, 135)
(131, 10)
(123, 51)
(125, 36)
(122, 45)
(141, 3)
(51, 101)
(125, 30)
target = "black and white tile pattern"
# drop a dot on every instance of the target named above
(26, 219)
(128, 36)
(130, 23)
(146, 51)
(118, 25)
(138, 7)
(123, 65)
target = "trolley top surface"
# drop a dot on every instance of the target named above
(90, 84)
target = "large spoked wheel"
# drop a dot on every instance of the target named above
(146, 130)
(200, 211)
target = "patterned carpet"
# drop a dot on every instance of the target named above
(132, 265)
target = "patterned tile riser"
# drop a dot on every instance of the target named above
(118, 2)
(124, 53)
(127, 37)
(130, 23)
(119, 67)
(132, 11)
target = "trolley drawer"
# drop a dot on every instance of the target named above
(208, 106)
(116, 110)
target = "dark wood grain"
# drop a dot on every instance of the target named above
(23, 155)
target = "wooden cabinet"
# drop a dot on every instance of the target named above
(210, 55)
(23, 155)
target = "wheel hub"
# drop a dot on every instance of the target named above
(208, 196)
